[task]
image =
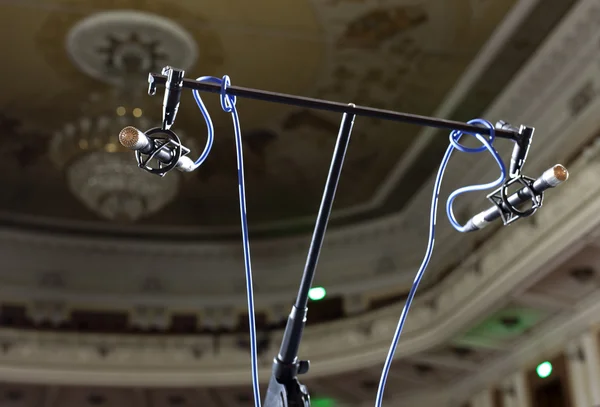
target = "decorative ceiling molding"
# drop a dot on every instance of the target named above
(558, 133)
(543, 91)
(487, 54)
(515, 257)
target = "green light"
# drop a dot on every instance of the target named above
(544, 369)
(317, 293)
(322, 402)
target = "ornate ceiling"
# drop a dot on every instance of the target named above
(389, 55)
(178, 271)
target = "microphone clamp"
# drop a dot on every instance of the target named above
(521, 148)
(508, 211)
(172, 97)
(163, 141)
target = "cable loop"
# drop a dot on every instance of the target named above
(486, 142)
(227, 101)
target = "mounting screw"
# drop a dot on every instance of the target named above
(303, 366)
(502, 125)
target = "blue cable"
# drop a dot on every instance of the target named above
(228, 105)
(487, 145)
(454, 144)
(209, 124)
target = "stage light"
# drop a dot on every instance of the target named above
(317, 293)
(544, 369)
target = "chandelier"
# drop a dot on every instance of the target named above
(118, 48)
(99, 171)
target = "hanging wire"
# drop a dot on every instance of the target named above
(454, 144)
(228, 105)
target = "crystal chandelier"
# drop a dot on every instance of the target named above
(99, 171)
(119, 48)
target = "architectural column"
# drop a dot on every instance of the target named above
(589, 342)
(508, 393)
(522, 396)
(515, 392)
(576, 368)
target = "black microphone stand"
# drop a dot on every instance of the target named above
(284, 388)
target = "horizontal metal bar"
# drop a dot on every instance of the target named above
(338, 107)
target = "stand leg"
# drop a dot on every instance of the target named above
(284, 389)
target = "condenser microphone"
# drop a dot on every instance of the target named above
(551, 178)
(137, 140)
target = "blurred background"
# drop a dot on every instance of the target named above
(119, 288)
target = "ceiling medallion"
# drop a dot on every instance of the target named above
(119, 48)
(106, 43)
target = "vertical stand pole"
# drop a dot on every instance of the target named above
(284, 389)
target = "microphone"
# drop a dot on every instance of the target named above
(137, 140)
(551, 178)
(173, 87)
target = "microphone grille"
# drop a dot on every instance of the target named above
(556, 175)
(560, 172)
(130, 137)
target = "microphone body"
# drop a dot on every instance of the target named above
(549, 179)
(137, 140)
